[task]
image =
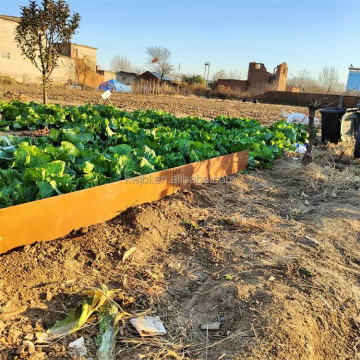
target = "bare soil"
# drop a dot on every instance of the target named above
(178, 105)
(235, 251)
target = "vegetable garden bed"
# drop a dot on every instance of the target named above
(94, 145)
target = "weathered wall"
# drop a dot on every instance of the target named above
(281, 76)
(257, 74)
(108, 75)
(85, 75)
(233, 84)
(303, 99)
(126, 78)
(84, 52)
(13, 64)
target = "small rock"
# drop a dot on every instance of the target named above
(228, 333)
(29, 337)
(78, 347)
(14, 334)
(308, 241)
(49, 296)
(271, 278)
(26, 346)
(83, 230)
(100, 256)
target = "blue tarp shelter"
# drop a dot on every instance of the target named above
(114, 85)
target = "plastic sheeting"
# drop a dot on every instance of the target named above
(114, 85)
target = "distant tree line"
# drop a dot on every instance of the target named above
(327, 81)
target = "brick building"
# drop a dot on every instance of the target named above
(259, 77)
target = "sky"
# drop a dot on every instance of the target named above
(229, 33)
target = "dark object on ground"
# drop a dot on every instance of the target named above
(255, 101)
(244, 99)
(357, 144)
(330, 124)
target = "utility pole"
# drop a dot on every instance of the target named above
(179, 70)
(207, 79)
(207, 64)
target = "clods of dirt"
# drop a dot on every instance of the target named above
(231, 252)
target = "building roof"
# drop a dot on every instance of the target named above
(126, 73)
(87, 46)
(165, 77)
(11, 18)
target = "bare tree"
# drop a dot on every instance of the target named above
(159, 59)
(42, 32)
(138, 70)
(328, 76)
(235, 74)
(221, 74)
(83, 70)
(303, 77)
(121, 63)
(329, 80)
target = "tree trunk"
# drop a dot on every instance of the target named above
(308, 157)
(44, 86)
(311, 129)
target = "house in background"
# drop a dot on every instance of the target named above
(127, 78)
(82, 52)
(107, 75)
(14, 65)
(154, 76)
(76, 64)
(258, 76)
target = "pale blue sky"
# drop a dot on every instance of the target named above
(228, 33)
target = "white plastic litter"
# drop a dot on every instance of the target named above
(211, 326)
(78, 347)
(148, 326)
(301, 149)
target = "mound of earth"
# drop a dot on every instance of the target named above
(273, 255)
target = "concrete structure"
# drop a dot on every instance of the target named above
(259, 77)
(14, 65)
(127, 78)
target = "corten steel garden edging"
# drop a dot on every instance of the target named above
(57, 216)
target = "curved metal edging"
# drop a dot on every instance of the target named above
(54, 217)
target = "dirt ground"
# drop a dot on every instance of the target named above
(272, 254)
(178, 105)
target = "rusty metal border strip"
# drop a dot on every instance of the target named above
(55, 217)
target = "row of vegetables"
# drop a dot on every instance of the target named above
(95, 144)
